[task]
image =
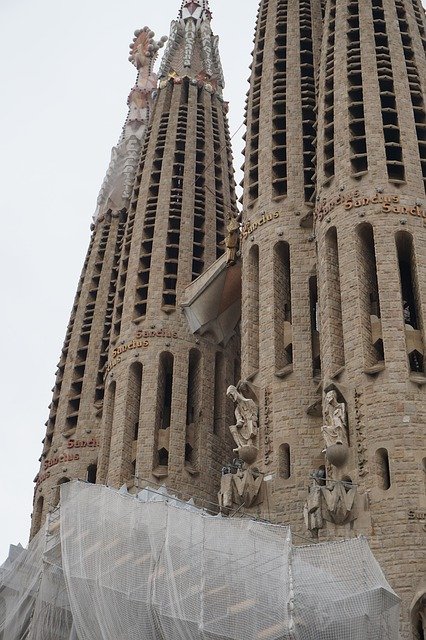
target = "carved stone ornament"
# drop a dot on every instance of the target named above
(118, 184)
(335, 502)
(240, 486)
(334, 429)
(245, 431)
(232, 240)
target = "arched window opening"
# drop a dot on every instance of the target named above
(334, 301)
(369, 296)
(283, 331)
(219, 392)
(284, 461)
(383, 469)
(164, 408)
(133, 474)
(91, 473)
(410, 301)
(133, 402)
(315, 326)
(253, 309)
(163, 457)
(193, 407)
(165, 387)
(37, 515)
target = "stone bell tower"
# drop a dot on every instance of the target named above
(334, 286)
(138, 397)
(371, 238)
(162, 382)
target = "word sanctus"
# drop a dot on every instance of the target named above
(414, 516)
(82, 444)
(134, 344)
(64, 457)
(153, 333)
(353, 200)
(249, 227)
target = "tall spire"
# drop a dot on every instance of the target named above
(193, 50)
(117, 186)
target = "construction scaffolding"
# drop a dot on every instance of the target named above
(110, 566)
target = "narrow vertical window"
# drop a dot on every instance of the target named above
(369, 297)
(335, 325)
(91, 473)
(164, 407)
(133, 402)
(383, 469)
(193, 408)
(279, 104)
(253, 315)
(357, 133)
(308, 95)
(284, 461)
(329, 94)
(410, 301)
(219, 392)
(315, 336)
(391, 133)
(282, 307)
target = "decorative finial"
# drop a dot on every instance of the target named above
(144, 49)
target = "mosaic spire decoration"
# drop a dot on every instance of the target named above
(199, 57)
(117, 187)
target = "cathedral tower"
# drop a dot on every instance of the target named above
(334, 286)
(280, 348)
(136, 390)
(371, 237)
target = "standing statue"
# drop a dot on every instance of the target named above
(246, 429)
(335, 425)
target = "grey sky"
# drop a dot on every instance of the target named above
(65, 78)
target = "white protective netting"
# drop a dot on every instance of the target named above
(149, 568)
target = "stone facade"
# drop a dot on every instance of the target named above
(344, 270)
(333, 237)
(135, 392)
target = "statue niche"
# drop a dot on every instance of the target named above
(242, 482)
(245, 431)
(335, 429)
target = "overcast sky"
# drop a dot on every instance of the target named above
(65, 78)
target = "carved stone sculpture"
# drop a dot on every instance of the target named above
(118, 184)
(333, 502)
(312, 511)
(240, 487)
(339, 503)
(334, 429)
(232, 240)
(245, 431)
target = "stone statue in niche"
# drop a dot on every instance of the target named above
(334, 429)
(312, 512)
(241, 482)
(246, 430)
(232, 241)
